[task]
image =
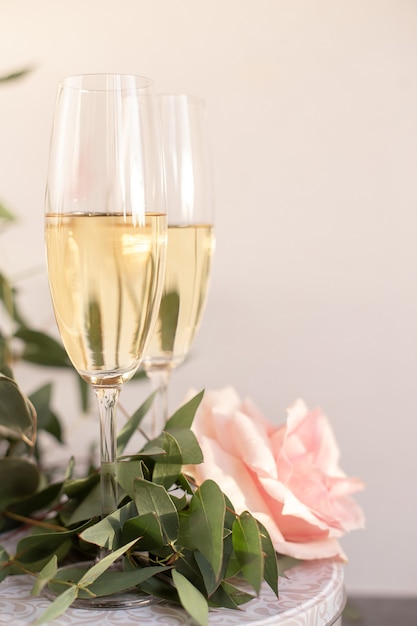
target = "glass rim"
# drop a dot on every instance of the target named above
(105, 82)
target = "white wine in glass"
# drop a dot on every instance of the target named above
(191, 243)
(106, 235)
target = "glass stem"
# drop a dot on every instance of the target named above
(159, 382)
(107, 402)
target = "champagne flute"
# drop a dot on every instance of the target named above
(106, 233)
(190, 243)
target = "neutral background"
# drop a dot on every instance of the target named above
(313, 124)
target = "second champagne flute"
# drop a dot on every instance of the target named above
(191, 243)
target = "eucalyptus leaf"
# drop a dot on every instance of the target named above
(184, 416)
(15, 75)
(80, 510)
(107, 533)
(189, 447)
(45, 575)
(101, 566)
(5, 214)
(168, 466)
(285, 563)
(80, 487)
(152, 498)
(47, 420)
(127, 472)
(58, 606)
(206, 523)
(191, 599)
(18, 479)
(17, 416)
(211, 581)
(229, 596)
(248, 549)
(34, 551)
(7, 296)
(37, 501)
(133, 423)
(146, 529)
(270, 572)
(115, 581)
(42, 349)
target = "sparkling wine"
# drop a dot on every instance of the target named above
(105, 276)
(188, 264)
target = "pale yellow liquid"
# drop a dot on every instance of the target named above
(105, 277)
(189, 255)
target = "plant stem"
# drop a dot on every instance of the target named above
(107, 401)
(159, 378)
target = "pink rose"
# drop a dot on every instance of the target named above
(287, 476)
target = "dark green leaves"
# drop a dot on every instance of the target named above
(207, 511)
(15, 75)
(192, 600)
(42, 349)
(19, 479)
(16, 413)
(181, 543)
(248, 549)
(154, 500)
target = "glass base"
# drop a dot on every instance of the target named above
(128, 598)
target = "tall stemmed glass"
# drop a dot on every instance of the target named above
(190, 243)
(106, 232)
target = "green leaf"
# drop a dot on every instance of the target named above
(15, 75)
(42, 349)
(207, 511)
(229, 596)
(7, 296)
(248, 549)
(112, 582)
(107, 533)
(47, 420)
(45, 575)
(80, 487)
(78, 511)
(189, 447)
(5, 214)
(127, 472)
(151, 498)
(147, 530)
(168, 319)
(99, 568)
(211, 582)
(34, 551)
(285, 563)
(133, 423)
(168, 466)
(17, 416)
(58, 606)
(270, 572)
(27, 506)
(18, 479)
(184, 416)
(191, 599)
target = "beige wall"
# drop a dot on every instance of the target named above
(313, 118)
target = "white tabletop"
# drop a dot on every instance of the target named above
(312, 595)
